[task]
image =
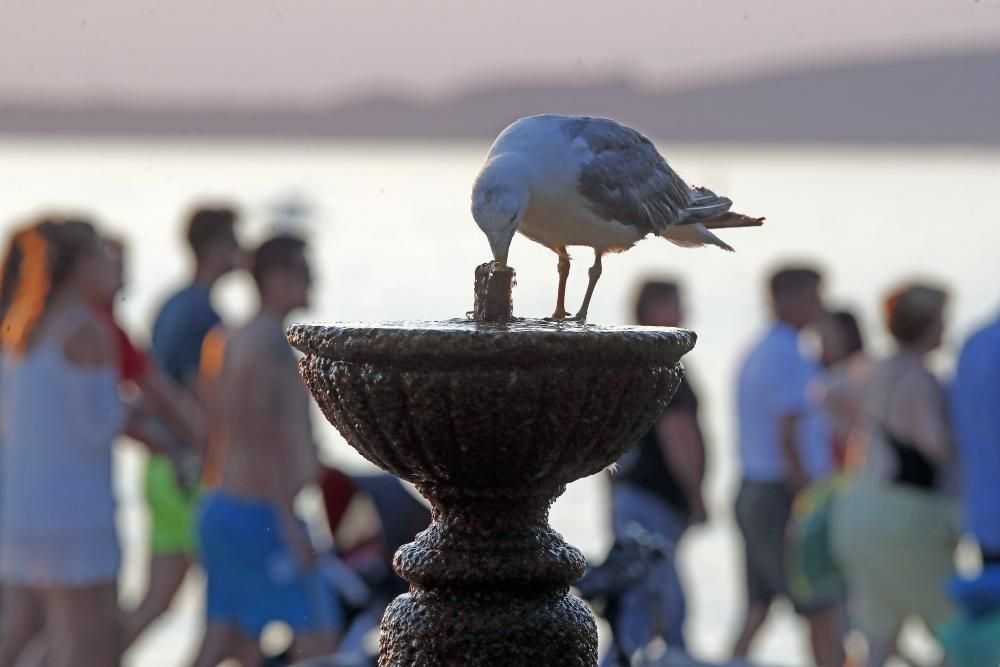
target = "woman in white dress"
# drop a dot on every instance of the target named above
(59, 414)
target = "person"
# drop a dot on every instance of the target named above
(159, 414)
(846, 368)
(178, 333)
(975, 394)
(894, 530)
(60, 413)
(784, 445)
(258, 559)
(658, 485)
(975, 410)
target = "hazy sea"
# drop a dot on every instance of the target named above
(392, 238)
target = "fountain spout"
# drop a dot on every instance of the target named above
(494, 300)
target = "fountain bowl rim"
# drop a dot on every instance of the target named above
(521, 340)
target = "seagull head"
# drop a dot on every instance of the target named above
(499, 200)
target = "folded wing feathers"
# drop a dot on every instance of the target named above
(629, 181)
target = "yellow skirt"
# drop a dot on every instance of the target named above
(895, 545)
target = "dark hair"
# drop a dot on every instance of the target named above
(847, 325)
(40, 259)
(278, 252)
(789, 280)
(651, 292)
(10, 271)
(206, 225)
(65, 240)
(912, 309)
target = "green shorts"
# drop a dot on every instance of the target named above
(171, 510)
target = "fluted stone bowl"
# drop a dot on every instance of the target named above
(455, 402)
(490, 422)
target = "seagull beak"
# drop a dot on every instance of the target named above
(500, 255)
(500, 245)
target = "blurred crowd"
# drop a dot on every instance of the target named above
(858, 474)
(226, 421)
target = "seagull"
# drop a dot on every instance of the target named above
(580, 181)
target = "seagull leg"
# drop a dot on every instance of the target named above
(594, 273)
(561, 312)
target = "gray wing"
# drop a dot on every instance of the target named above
(628, 180)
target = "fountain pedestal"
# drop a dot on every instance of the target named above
(490, 422)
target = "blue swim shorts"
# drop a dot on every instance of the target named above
(253, 578)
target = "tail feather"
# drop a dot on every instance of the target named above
(730, 219)
(706, 211)
(693, 235)
(712, 210)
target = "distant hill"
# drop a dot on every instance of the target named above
(939, 99)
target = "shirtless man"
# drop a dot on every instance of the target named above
(258, 559)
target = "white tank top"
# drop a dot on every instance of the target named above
(57, 424)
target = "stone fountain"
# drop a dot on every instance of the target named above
(490, 420)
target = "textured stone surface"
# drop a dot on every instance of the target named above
(490, 422)
(493, 294)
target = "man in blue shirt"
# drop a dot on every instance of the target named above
(178, 333)
(975, 405)
(784, 445)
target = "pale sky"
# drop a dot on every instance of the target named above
(306, 51)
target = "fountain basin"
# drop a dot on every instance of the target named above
(490, 422)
